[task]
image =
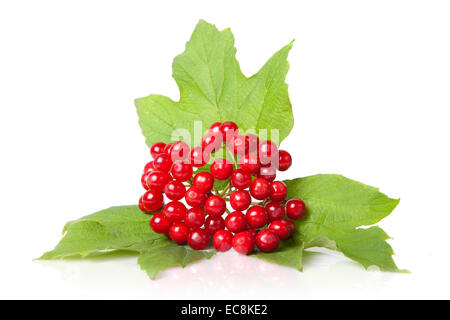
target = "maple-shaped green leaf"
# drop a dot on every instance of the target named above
(164, 254)
(336, 207)
(122, 228)
(213, 88)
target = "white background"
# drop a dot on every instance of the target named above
(369, 83)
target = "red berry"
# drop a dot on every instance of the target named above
(228, 130)
(251, 232)
(284, 160)
(213, 224)
(181, 170)
(211, 142)
(198, 157)
(178, 232)
(290, 224)
(257, 217)
(241, 179)
(221, 169)
(280, 228)
(222, 240)
(243, 242)
(204, 181)
(240, 200)
(275, 211)
(175, 211)
(159, 223)
(158, 179)
(267, 240)
(260, 189)
(152, 200)
(195, 218)
(195, 197)
(295, 209)
(162, 162)
(157, 148)
(168, 148)
(268, 173)
(141, 205)
(149, 167)
(249, 162)
(198, 239)
(215, 127)
(278, 191)
(175, 190)
(236, 222)
(144, 179)
(180, 151)
(215, 206)
(252, 141)
(239, 145)
(267, 152)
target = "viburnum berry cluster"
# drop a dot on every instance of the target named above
(260, 213)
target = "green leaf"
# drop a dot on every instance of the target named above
(166, 254)
(290, 254)
(336, 207)
(213, 88)
(122, 228)
(116, 228)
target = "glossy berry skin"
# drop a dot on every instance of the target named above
(198, 239)
(158, 179)
(221, 169)
(156, 149)
(152, 200)
(281, 228)
(238, 145)
(180, 151)
(284, 160)
(267, 240)
(204, 181)
(215, 127)
(174, 190)
(295, 209)
(243, 242)
(195, 197)
(260, 189)
(251, 232)
(162, 162)
(236, 222)
(278, 191)
(249, 162)
(275, 210)
(290, 224)
(240, 200)
(228, 130)
(211, 141)
(269, 173)
(159, 223)
(198, 158)
(144, 180)
(267, 151)
(213, 224)
(222, 240)
(215, 206)
(252, 142)
(241, 179)
(175, 211)
(179, 232)
(168, 148)
(142, 207)
(257, 217)
(149, 167)
(181, 170)
(195, 218)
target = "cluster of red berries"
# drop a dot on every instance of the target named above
(251, 174)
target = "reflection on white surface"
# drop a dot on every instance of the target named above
(226, 275)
